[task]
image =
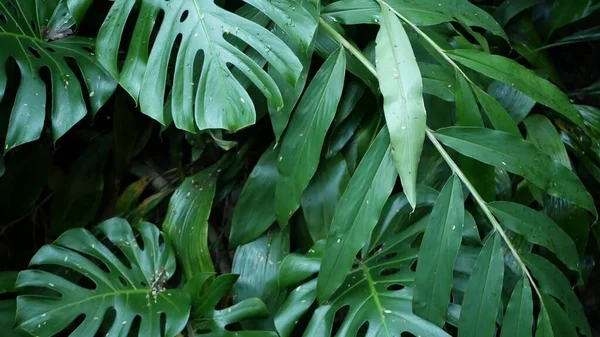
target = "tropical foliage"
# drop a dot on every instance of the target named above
(299, 168)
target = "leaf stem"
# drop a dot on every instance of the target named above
(439, 147)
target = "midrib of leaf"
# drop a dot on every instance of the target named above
(375, 296)
(430, 134)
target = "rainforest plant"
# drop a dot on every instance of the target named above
(298, 168)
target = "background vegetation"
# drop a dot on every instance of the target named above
(184, 167)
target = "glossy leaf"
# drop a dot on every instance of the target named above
(255, 212)
(214, 99)
(258, 263)
(496, 113)
(555, 321)
(518, 319)
(519, 157)
(553, 282)
(517, 104)
(301, 147)
(23, 38)
(356, 214)
(543, 135)
(514, 74)
(323, 194)
(7, 319)
(136, 291)
(7, 281)
(374, 292)
(438, 253)
(402, 90)
(76, 202)
(482, 297)
(186, 222)
(537, 228)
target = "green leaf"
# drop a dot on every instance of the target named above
(130, 196)
(537, 228)
(7, 319)
(356, 214)
(301, 147)
(438, 253)
(586, 35)
(519, 157)
(323, 194)
(553, 282)
(375, 292)
(498, 116)
(255, 211)
(437, 81)
(147, 205)
(213, 99)
(517, 104)
(509, 9)
(563, 13)
(402, 90)
(206, 321)
(258, 263)
(76, 202)
(518, 319)
(556, 319)
(482, 297)
(23, 39)
(352, 12)
(512, 73)
(467, 114)
(186, 222)
(544, 136)
(132, 291)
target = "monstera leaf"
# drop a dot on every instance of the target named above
(206, 38)
(206, 293)
(30, 34)
(121, 288)
(376, 292)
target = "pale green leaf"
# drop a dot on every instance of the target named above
(402, 90)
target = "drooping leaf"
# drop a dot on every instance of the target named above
(520, 157)
(132, 291)
(537, 228)
(323, 194)
(356, 214)
(375, 292)
(553, 282)
(301, 147)
(518, 319)
(76, 202)
(258, 263)
(512, 73)
(482, 297)
(130, 196)
(586, 35)
(402, 90)
(24, 39)
(496, 113)
(186, 222)
(214, 99)
(438, 253)
(563, 13)
(255, 211)
(543, 135)
(509, 9)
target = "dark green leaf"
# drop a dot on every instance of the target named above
(482, 297)
(130, 196)
(553, 282)
(356, 214)
(510, 72)
(322, 195)
(517, 104)
(520, 157)
(255, 212)
(563, 13)
(498, 116)
(136, 291)
(258, 263)
(511, 8)
(518, 319)
(543, 135)
(186, 222)
(7, 281)
(301, 147)
(554, 320)
(402, 89)
(8, 309)
(438, 253)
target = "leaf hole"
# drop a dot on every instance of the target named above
(135, 326)
(413, 266)
(395, 287)
(203, 331)
(407, 334)
(157, 24)
(34, 52)
(69, 329)
(364, 328)
(123, 281)
(387, 257)
(50, 49)
(389, 271)
(3, 19)
(340, 316)
(184, 15)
